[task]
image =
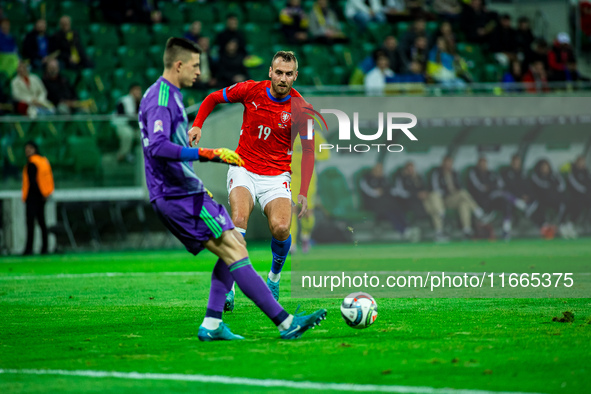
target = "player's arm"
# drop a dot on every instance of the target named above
(159, 144)
(231, 94)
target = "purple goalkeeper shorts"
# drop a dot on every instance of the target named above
(193, 219)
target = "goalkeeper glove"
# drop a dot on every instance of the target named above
(221, 155)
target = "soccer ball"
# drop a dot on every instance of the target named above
(359, 310)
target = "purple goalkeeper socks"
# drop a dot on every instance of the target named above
(253, 286)
(221, 283)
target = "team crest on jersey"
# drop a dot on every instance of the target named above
(285, 116)
(158, 126)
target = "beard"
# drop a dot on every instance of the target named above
(281, 89)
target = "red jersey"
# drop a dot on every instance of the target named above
(266, 136)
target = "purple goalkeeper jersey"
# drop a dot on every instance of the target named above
(163, 121)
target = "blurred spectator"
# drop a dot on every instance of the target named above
(125, 123)
(487, 190)
(231, 33)
(562, 60)
(194, 32)
(29, 93)
(414, 74)
(36, 45)
(391, 49)
(7, 41)
(324, 24)
(59, 90)
(503, 41)
(37, 187)
(206, 79)
(448, 10)
(416, 8)
(230, 68)
(524, 37)
(67, 42)
(539, 52)
(445, 30)
(294, 22)
(579, 187)
(375, 80)
(418, 52)
(449, 193)
(8, 50)
(375, 195)
(514, 181)
(363, 12)
(512, 76)
(548, 194)
(396, 11)
(477, 23)
(442, 66)
(535, 79)
(411, 195)
(418, 29)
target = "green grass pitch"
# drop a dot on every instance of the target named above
(146, 322)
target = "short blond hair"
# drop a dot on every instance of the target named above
(287, 56)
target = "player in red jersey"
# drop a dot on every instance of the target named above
(265, 145)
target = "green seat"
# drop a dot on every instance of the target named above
(173, 12)
(344, 56)
(335, 76)
(315, 56)
(133, 58)
(156, 54)
(204, 12)
(163, 32)
(256, 36)
(431, 27)
(104, 35)
(402, 28)
(152, 74)
(378, 32)
(225, 9)
(135, 36)
(260, 13)
(104, 59)
(336, 196)
(77, 11)
(123, 78)
(84, 155)
(17, 13)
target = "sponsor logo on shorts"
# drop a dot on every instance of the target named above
(231, 182)
(158, 126)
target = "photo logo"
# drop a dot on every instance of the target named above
(344, 130)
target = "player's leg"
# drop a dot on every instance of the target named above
(278, 212)
(241, 198)
(233, 253)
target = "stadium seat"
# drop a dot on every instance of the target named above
(83, 154)
(378, 32)
(315, 56)
(204, 12)
(336, 196)
(78, 11)
(163, 32)
(256, 36)
(173, 12)
(123, 78)
(155, 54)
(104, 59)
(104, 36)
(260, 13)
(225, 9)
(17, 13)
(344, 56)
(401, 29)
(135, 36)
(133, 59)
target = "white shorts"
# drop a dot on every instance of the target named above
(262, 188)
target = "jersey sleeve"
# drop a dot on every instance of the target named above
(159, 124)
(238, 92)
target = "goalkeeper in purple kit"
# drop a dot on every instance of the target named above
(188, 211)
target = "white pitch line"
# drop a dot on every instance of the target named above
(255, 382)
(102, 275)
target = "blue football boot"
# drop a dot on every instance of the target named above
(302, 323)
(222, 333)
